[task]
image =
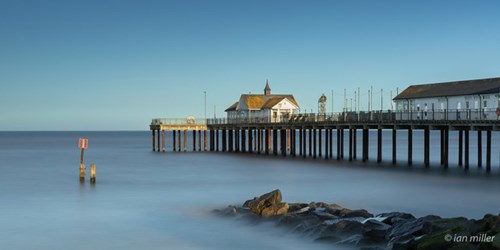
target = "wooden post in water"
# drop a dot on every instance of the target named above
(173, 138)
(442, 146)
(426, 146)
(259, 141)
(350, 144)
(331, 143)
(314, 143)
(275, 142)
(243, 140)
(304, 144)
(460, 147)
(82, 172)
(446, 147)
(217, 139)
(179, 140)
(342, 143)
(338, 143)
(153, 137)
(250, 140)
(488, 150)
(185, 140)
(163, 142)
(410, 146)
(224, 140)
(267, 140)
(230, 141)
(199, 140)
(194, 140)
(379, 145)
(326, 143)
(310, 142)
(158, 149)
(466, 148)
(394, 147)
(204, 140)
(354, 147)
(288, 140)
(365, 144)
(320, 141)
(92, 173)
(479, 148)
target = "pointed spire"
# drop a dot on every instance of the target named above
(267, 89)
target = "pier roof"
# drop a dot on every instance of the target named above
(457, 88)
(257, 102)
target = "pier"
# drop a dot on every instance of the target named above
(301, 135)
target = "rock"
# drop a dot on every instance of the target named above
(267, 204)
(294, 207)
(282, 208)
(375, 231)
(391, 218)
(405, 231)
(347, 213)
(341, 230)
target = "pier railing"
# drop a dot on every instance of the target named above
(178, 121)
(422, 116)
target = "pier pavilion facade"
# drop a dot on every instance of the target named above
(460, 100)
(263, 108)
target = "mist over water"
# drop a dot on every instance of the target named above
(151, 200)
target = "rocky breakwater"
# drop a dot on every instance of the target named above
(332, 223)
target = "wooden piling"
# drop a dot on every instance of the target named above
(204, 140)
(314, 143)
(354, 148)
(365, 144)
(230, 141)
(82, 172)
(466, 134)
(342, 143)
(275, 142)
(250, 140)
(310, 142)
(338, 143)
(199, 140)
(410, 146)
(243, 147)
(159, 141)
(379, 145)
(446, 147)
(194, 140)
(331, 143)
(185, 140)
(267, 140)
(224, 140)
(92, 173)
(442, 145)
(300, 141)
(426, 146)
(217, 140)
(179, 140)
(173, 139)
(460, 147)
(320, 142)
(163, 142)
(394, 147)
(153, 137)
(326, 143)
(350, 144)
(304, 142)
(479, 148)
(488, 150)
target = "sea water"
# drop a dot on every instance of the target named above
(155, 200)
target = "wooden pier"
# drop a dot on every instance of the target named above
(306, 132)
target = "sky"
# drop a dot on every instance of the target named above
(115, 65)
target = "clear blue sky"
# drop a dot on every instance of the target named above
(114, 65)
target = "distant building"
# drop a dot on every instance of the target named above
(265, 108)
(471, 99)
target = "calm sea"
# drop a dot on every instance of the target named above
(146, 200)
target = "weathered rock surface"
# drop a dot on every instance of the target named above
(268, 204)
(335, 224)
